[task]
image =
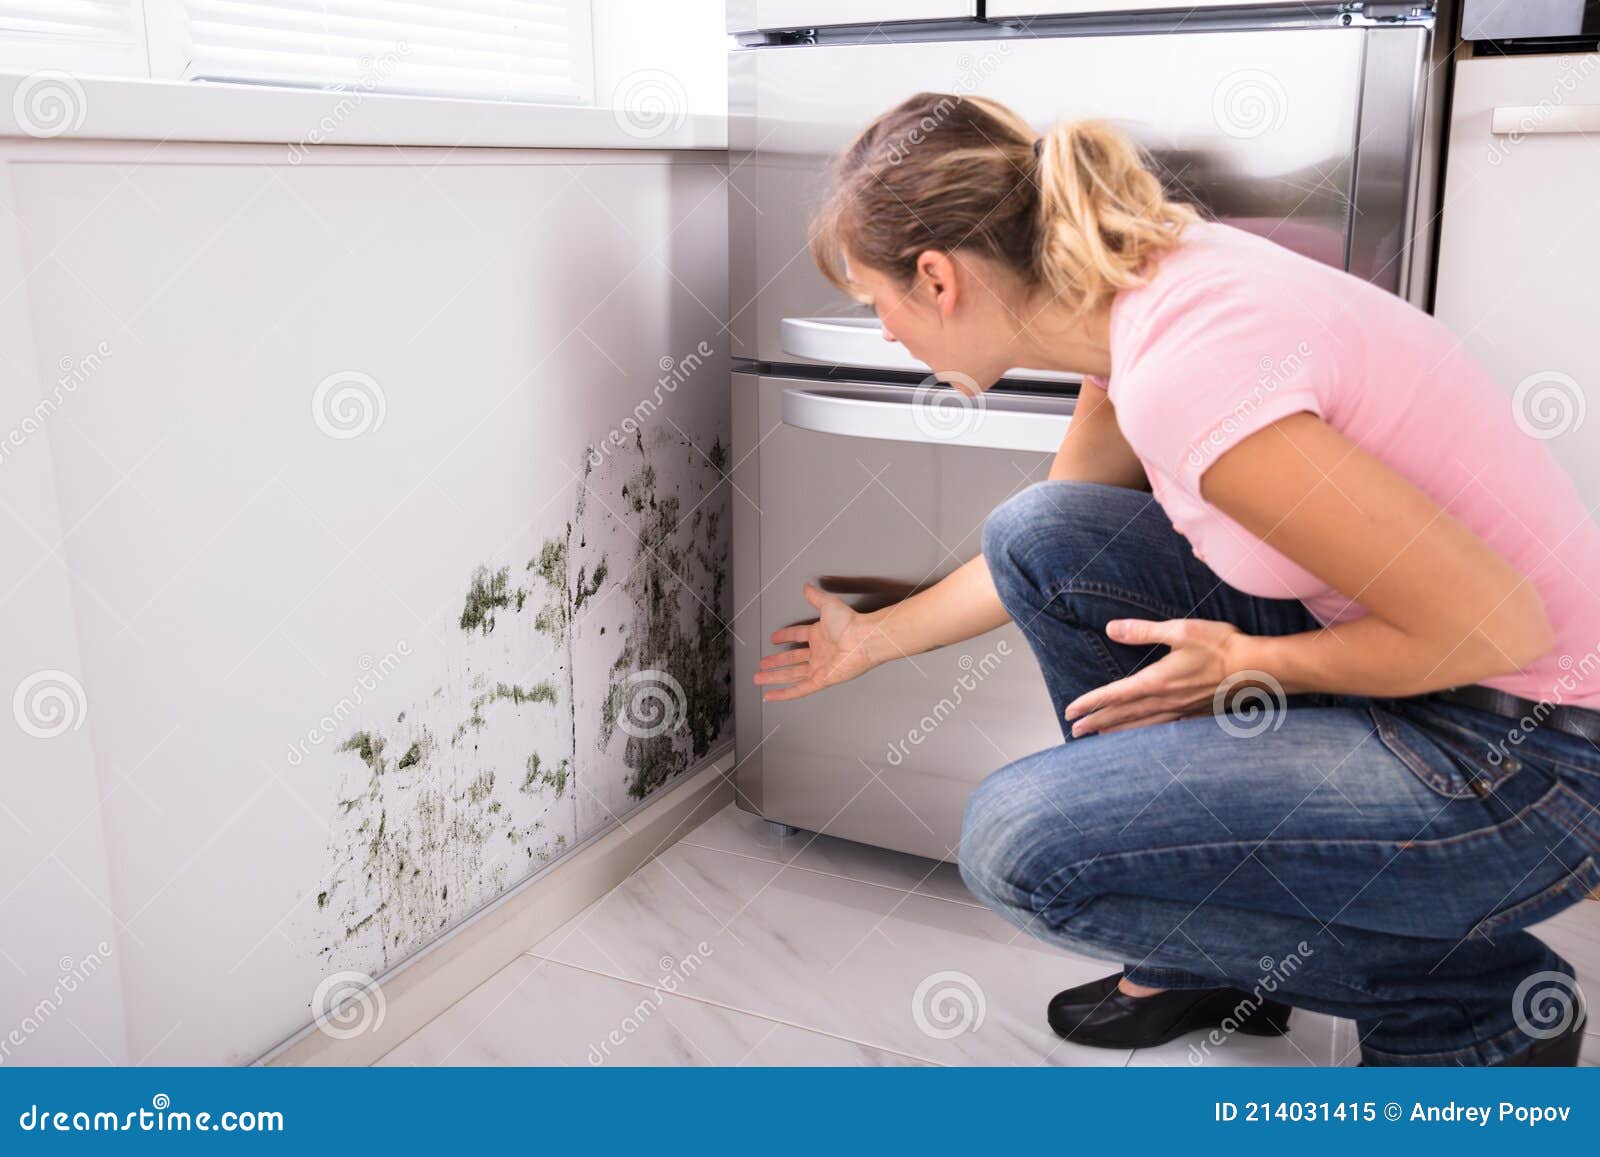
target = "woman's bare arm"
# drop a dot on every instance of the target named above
(1094, 449)
(1443, 608)
(843, 644)
(965, 604)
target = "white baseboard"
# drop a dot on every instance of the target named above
(422, 987)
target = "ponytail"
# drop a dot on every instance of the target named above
(1077, 213)
(1102, 214)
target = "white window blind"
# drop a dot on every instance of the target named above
(524, 50)
(87, 19)
(89, 35)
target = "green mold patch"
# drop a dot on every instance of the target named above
(488, 593)
(481, 787)
(539, 776)
(511, 693)
(412, 855)
(368, 747)
(426, 832)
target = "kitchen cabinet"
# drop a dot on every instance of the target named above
(1518, 248)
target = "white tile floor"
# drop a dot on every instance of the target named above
(738, 947)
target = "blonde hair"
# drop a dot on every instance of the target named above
(1078, 212)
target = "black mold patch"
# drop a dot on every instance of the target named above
(676, 652)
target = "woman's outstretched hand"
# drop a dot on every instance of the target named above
(833, 649)
(1182, 682)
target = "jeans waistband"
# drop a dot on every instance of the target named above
(1579, 721)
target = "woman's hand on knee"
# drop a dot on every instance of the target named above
(1182, 682)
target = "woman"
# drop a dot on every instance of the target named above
(1280, 483)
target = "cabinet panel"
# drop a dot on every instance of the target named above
(1518, 252)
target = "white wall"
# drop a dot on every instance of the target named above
(204, 550)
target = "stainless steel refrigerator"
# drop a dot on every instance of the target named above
(1313, 124)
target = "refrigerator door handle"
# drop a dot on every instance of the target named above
(1532, 119)
(935, 415)
(845, 341)
(859, 342)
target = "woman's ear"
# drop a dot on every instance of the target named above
(938, 273)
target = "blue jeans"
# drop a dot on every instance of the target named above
(1375, 859)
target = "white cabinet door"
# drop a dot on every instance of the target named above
(1519, 253)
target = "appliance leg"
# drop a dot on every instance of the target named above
(781, 831)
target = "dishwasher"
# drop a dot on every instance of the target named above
(1313, 124)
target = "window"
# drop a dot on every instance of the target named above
(516, 50)
(227, 69)
(522, 50)
(89, 36)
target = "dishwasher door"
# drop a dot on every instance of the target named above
(873, 490)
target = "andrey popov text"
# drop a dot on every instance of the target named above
(1448, 1112)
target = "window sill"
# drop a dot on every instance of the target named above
(55, 104)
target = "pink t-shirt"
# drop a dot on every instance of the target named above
(1233, 333)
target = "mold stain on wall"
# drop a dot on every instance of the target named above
(529, 745)
(675, 638)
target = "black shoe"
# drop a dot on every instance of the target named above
(1103, 1016)
(1560, 1051)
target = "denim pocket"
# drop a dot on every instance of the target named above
(1451, 760)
